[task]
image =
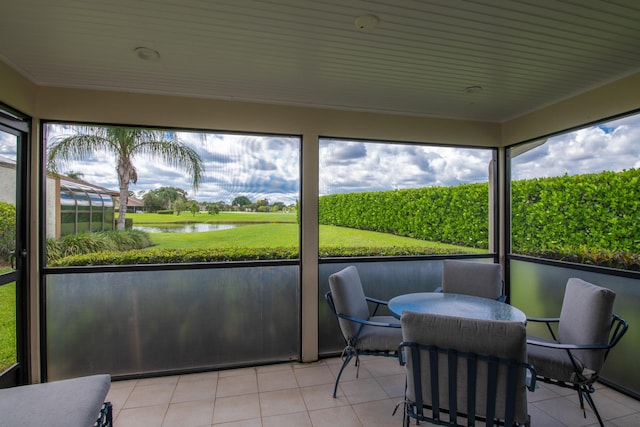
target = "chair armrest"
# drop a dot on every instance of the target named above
(543, 319)
(438, 289)
(550, 344)
(368, 322)
(377, 301)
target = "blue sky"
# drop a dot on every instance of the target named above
(262, 167)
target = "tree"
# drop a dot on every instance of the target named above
(126, 144)
(241, 201)
(194, 208)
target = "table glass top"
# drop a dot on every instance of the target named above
(455, 305)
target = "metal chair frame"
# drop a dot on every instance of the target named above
(350, 350)
(584, 387)
(416, 410)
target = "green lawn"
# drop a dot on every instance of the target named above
(272, 235)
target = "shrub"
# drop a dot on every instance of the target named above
(7, 231)
(87, 243)
(165, 212)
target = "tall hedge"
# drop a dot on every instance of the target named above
(7, 232)
(595, 211)
(568, 214)
(456, 215)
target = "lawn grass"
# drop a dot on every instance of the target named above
(287, 235)
(7, 324)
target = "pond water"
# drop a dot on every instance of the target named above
(184, 228)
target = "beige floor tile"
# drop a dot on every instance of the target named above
(213, 375)
(299, 419)
(350, 371)
(566, 411)
(540, 418)
(321, 397)
(343, 416)
(277, 380)
(378, 414)
(628, 421)
(237, 385)
(363, 390)
(145, 394)
(236, 408)
(236, 372)
(393, 385)
(300, 395)
(148, 416)
(189, 414)
(118, 396)
(279, 402)
(173, 379)
(314, 375)
(255, 422)
(381, 366)
(274, 368)
(195, 390)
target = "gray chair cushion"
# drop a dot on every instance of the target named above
(505, 340)
(67, 403)
(375, 338)
(349, 299)
(585, 318)
(472, 278)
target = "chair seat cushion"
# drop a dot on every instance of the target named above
(553, 363)
(380, 338)
(67, 403)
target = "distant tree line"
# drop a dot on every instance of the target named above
(176, 200)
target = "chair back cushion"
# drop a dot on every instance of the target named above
(472, 278)
(349, 299)
(585, 318)
(505, 340)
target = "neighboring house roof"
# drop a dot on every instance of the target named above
(84, 185)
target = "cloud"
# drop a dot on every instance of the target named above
(612, 146)
(268, 167)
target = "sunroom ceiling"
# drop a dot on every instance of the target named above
(480, 60)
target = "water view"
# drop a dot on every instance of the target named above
(184, 228)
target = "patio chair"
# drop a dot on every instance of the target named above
(364, 333)
(462, 370)
(76, 402)
(472, 278)
(586, 331)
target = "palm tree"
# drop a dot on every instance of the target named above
(126, 144)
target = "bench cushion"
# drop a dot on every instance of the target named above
(68, 403)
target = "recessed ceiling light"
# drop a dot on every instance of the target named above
(367, 22)
(147, 54)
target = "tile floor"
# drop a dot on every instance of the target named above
(299, 395)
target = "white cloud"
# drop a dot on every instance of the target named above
(612, 146)
(269, 166)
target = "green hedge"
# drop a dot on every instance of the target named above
(172, 256)
(562, 214)
(455, 215)
(591, 218)
(7, 231)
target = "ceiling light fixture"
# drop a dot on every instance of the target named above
(367, 23)
(147, 54)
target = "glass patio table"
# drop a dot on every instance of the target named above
(457, 305)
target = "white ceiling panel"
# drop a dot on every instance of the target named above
(419, 60)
